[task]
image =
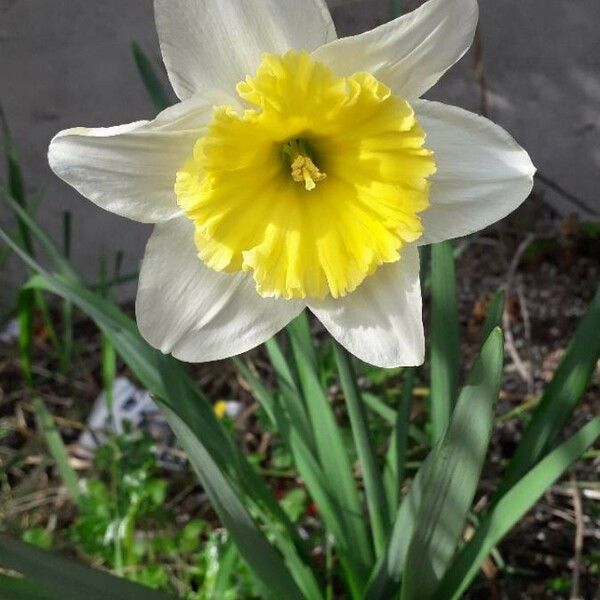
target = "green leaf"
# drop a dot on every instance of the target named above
(444, 338)
(386, 574)
(333, 458)
(493, 318)
(250, 541)
(376, 501)
(292, 400)
(16, 188)
(261, 393)
(332, 513)
(227, 564)
(56, 259)
(57, 449)
(387, 413)
(25, 313)
(21, 588)
(513, 505)
(396, 8)
(66, 579)
(153, 86)
(560, 397)
(308, 467)
(300, 329)
(456, 468)
(396, 454)
(379, 407)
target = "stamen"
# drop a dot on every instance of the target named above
(302, 167)
(305, 170)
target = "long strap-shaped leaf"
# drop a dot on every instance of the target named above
(310, 471)
(511, 508)
(373, 481)
(560, 397)
(251, 542)
(66, 579)
(386, 575)
(455, 474)
(333, 458)
(23, 588)
(444, 338)
(291, 399)
(151, 82)
(393, 476)
(431, 517)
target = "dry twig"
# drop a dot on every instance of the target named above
(579, 532)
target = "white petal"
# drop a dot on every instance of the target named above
(216, 43)
(412, 52)
(196, 314)
(482, 176)
(381, 322)
(130, 169)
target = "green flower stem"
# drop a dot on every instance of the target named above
(376, 502)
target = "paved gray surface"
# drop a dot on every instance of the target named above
(68, 62)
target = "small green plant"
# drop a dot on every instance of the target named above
(125, 526)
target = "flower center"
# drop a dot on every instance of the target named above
(316, 184)
(302, 167)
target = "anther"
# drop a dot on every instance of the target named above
(305, 170)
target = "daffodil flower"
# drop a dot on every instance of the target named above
(298, 171)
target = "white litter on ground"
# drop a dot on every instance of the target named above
(10, 333)
(134, 408)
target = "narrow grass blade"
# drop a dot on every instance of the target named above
(107, 350)
(379, 407)
(66, 346)
(456, 468)
(57, 449)
(396, 8)
(261, 393)
(493, 318)
(306, 463)
(333, 458)
(513, 505)
(57, 260)
(387, 413)
(16, 187)
(444, 338)
(310, 471)
(153, 86)
(67, 579)
(300, 329)
(291, 397)
(227, 565)
(25, 316)
(316, 481)
(396, 454)
(560, 397)
(376, 501)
